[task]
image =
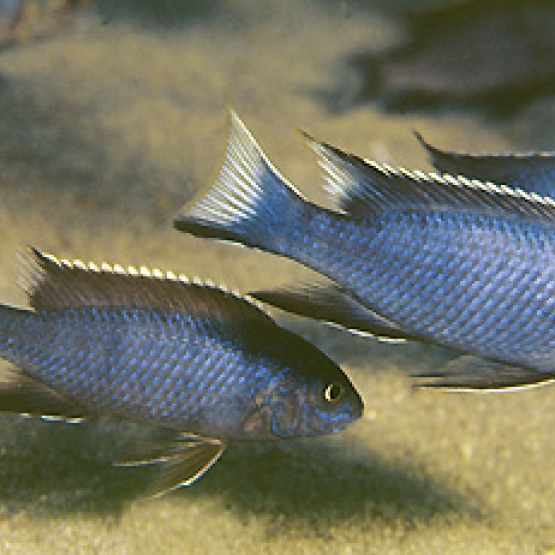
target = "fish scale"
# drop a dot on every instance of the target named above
(487, 296)
(141, 354)
(191, 359)
(415, 309)
(450, 260)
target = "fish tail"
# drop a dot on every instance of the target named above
(249, 203)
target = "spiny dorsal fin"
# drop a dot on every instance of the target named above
(52, 283)
(362, 187)
(530, 171)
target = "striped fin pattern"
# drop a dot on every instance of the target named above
(361, 187)
(53, 283)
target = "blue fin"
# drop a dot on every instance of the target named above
(532, 171)
(474, 374)
(330, 303)
(362, 187)
(249, 202)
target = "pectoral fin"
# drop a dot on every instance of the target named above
(187, 467)
(183, 460)
(469, 373)
(328, 302)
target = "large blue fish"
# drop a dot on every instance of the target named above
(201, 363)
(533, 172)
(454, 262)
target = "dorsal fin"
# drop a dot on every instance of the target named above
(530, 171)
(52, 283)
(362, 187)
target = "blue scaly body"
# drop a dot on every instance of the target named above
(188, 358)
(462, 264)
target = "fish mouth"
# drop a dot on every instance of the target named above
(343, 421)
(339, 427)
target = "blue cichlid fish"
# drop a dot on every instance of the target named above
(533, 172)
(446, 260)
(203, 364)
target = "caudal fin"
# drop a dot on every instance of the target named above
(249, 203)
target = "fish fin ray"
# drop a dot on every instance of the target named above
(186, 466)
(328, 302)
(474, 374)
(56, 284)
(452, 162)
(363, 187)
(528, 170)
(159, 445)
(21, 394)
(248, 199)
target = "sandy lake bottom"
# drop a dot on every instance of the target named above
(107, 128)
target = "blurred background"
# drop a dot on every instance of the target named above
(113, 114)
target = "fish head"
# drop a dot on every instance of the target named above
(310, 396)
(330, 403)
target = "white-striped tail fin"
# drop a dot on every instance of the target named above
(247, 202)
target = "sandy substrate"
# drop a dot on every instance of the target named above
(106, 129)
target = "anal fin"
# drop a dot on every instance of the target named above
(330, 303)
(23, 395)
(473, 374)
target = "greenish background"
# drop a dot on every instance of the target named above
(107, 127)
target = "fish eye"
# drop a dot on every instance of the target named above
(333, 392)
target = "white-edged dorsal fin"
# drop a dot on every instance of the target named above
(362, 187)
(53, 284)
(530, 171)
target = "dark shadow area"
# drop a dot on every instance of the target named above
(317, 483)
(54, 468)
(159, 13)
(51, 468)
(490, 57)
(351, 7)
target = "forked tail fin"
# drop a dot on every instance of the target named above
(249, 203)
